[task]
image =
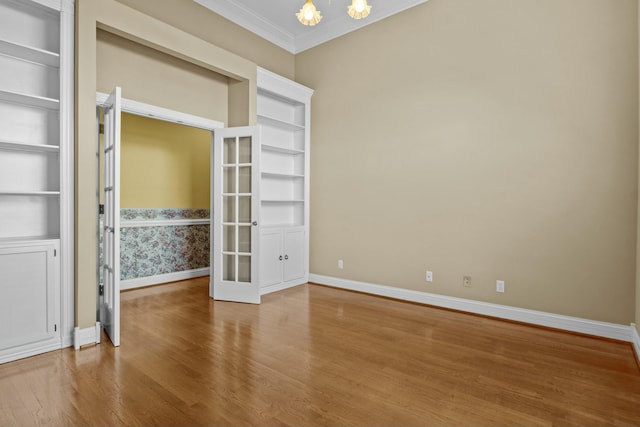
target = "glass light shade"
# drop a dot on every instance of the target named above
(359, 9)
(309, 15)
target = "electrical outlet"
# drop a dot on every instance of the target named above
(429, 276)
(500, 286)
(466, 281)
(340, 264)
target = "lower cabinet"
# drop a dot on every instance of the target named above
(282, 257)
(29, 298)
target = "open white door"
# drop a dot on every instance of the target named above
(110, 303)
(235, 204)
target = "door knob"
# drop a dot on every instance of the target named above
(254, 223)
(286, 257)
(280, 257)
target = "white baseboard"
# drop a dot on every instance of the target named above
(635, 340)
(67, 340)
(541, 318)
(86, 336)
(281, 286)
(163, 278)
(11, 354)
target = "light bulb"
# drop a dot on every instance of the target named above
(359, 6)
(308, 13)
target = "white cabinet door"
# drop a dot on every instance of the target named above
(29, 306)
(294, 254)
(271, 257)
(282, 255)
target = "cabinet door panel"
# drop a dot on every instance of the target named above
(27, 305)
(294, 254)
(270, 253)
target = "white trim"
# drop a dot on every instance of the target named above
(163, 222)
(345, 24)
(86, 336)
(312, 36)
(281, 286)
(635, 340)
(541, 318)
(67, 340)
(283, 87)
(51, 4)
(163, 278)
(67, 183)
(148, 110)
(10, 354)
(246, 18)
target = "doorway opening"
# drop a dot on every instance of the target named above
(163, 204)
(234, 192)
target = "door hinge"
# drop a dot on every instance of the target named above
(101, 129)
(55, 328)
(101, 290)
(101, 209)
(55, 252)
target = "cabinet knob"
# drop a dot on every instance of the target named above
(280, 257)
(286, 257)
(254, 223)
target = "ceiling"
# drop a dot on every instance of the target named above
(275, 20)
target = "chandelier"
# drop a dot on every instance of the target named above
(310, 16)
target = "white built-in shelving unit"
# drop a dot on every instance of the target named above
(284, 118)
(36, 176)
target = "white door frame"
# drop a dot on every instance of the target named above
(159, 113)
(164, 114)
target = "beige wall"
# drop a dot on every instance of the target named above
(493, 138)
(201, 22)
(162, 80)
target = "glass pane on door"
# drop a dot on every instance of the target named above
(236, 209)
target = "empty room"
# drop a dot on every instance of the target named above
(408, 212)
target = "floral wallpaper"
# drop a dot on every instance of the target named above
(149, 251)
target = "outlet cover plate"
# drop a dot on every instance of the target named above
(466, 281)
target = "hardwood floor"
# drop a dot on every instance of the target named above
(313, 355)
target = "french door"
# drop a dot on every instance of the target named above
(235, 204)
(110, 300)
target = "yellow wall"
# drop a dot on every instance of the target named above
(163, 165)
(493, 138)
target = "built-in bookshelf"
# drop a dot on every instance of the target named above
(36, 176)
(283, 116)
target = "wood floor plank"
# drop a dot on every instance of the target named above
(313, 355)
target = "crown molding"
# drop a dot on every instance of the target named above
(345, 24)
(251, 21)
(314, 36)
